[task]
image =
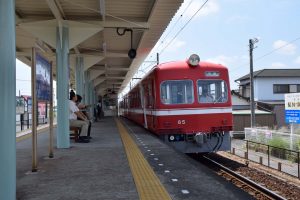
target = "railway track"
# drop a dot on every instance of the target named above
(254, 189)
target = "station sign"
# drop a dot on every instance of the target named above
(292, 108)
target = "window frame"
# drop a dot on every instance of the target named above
(214, 102)
(279, 92)
(160, 91)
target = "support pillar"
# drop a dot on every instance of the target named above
(7, 100)
(79, 75)
(91, 91)
(86, 87)
(62, 70)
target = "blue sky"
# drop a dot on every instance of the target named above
(23, 79)
(220, 32)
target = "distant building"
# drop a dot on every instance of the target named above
(270, 85)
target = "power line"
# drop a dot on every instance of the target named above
(184, 26)
(271, 52)
(287, 44)
(180, 29)
(171, 29)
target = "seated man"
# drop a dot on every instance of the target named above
(82, 108)
(83, 123)
(205, 97)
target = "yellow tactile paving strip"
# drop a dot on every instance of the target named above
(147, 183)
(29, 134)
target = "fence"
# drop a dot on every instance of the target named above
(284, 160)
(26, 124)
(273, 138)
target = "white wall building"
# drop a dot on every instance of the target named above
(270, 85)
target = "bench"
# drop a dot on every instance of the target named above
(74, 133)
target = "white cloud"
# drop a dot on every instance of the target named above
(278, 65)
(297, 60)
(284, 48)
(210, 7)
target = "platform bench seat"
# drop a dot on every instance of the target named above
(74, 133)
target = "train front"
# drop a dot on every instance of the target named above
(194, 112)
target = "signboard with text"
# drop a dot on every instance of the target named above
(43, 73)
(292, 108)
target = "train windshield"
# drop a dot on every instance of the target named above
(177, 92)
(212, 91)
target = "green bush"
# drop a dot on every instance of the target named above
(298, 145)
(279, 143)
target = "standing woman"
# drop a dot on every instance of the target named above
(99, 109)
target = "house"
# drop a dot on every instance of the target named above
(242, 114)
(270, 85)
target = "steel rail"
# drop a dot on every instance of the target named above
(251, 183)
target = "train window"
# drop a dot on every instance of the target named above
(212, 91)
(177, 92)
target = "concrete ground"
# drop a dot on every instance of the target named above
(100, 170)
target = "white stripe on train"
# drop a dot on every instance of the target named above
(171, 112)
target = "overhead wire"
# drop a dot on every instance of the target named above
(268, 53)
(174, 25)
(180, 29)
(287, 44)
(183, 27)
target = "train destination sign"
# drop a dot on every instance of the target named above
(292, 108)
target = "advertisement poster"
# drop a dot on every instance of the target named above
(43, 73)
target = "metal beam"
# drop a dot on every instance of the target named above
(119, 24)
(115, 77)
(54, 7)
(115, 68)
(102, 9)
(98, 81)
(108, 54)
(94, 73)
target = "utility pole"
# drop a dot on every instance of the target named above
(252, 103)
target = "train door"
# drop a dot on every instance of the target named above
(151, 104)
(143, 105)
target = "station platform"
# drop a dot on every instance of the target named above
(122, 161)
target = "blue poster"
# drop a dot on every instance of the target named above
(292, 116)
(43, 77)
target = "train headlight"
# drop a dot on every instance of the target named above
(171, 138)
(194, 60)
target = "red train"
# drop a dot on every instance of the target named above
(186, 103)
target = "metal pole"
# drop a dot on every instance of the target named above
(157, 58)
(51, 155)
(247, 144)
(298, 164)
(34, 112)
(291, 136)
(268, 156)
(252, 103)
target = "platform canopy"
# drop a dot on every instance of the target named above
(99, 32)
